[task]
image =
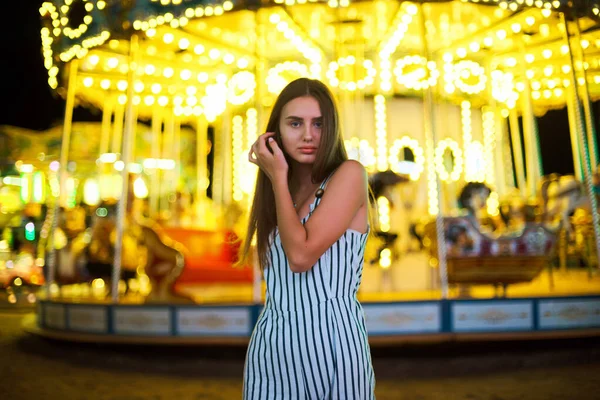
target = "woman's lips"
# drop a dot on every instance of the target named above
(308, 150)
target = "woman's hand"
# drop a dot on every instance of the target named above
(271, 162)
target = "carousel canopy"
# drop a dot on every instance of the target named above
(201, 57)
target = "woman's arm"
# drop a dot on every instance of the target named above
(345, 194)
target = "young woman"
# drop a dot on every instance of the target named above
(310, 218)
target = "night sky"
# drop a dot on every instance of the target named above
(29, 102)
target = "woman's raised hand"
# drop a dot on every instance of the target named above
(271, 162)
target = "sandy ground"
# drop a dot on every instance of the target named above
(36, 368)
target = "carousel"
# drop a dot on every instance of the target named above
(440, 101)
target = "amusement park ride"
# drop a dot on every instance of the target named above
(438, 99)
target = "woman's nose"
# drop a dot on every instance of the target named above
(309, 133)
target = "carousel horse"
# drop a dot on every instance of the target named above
(567, 208)
(95, 249)
(383, 184)
(164, 263)
(560, 196)
(473, 198)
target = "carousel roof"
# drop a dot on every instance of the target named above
(200, 57)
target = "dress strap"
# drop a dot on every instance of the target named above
(322, 187)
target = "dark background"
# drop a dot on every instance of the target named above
(28, 102)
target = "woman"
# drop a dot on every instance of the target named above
(310, 217)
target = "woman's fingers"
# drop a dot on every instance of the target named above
(274, 146)
(252, 158)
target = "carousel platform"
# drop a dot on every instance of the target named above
(400, 306)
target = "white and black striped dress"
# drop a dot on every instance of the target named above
(310, 341)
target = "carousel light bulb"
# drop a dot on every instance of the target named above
(183, 43)
(228, 58)
(163, 101)
(93, 60)
(199, 49)
(122, 85)
(221, 79)
(214, 53)
(185, 74)
(242, 63)
(112, 62)
(138, 86)
(191, 90)
(155, 88)
(202, 77)
(88, 81)
(150, 69)
(501, 34)
(168, 72)
(105, 84)
(168, 38)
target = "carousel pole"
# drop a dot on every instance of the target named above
(201, 169)
(128, 139)
(587, 109)
(177, 155)
(583, 142)
(429, 124)
(118, 127)
(496, 156)
(227, 165)
(107, 112)
(62, 172)
(260, 73)
(533, 157)
(167, 154)
(515, 135)
(155, 155)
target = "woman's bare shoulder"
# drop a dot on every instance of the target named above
(350, 172)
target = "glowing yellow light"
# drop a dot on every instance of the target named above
(138, 86)
(149, 100)
(457, 164)
(214, 53)
(415, 170)
(184, 43)
(112, 62)
(168, 38)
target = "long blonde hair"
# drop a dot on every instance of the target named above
(330, 155)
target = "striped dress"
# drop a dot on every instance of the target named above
(310, 341)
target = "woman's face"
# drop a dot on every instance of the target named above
(300, 126)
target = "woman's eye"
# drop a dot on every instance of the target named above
(295, 124)
(318, 125)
